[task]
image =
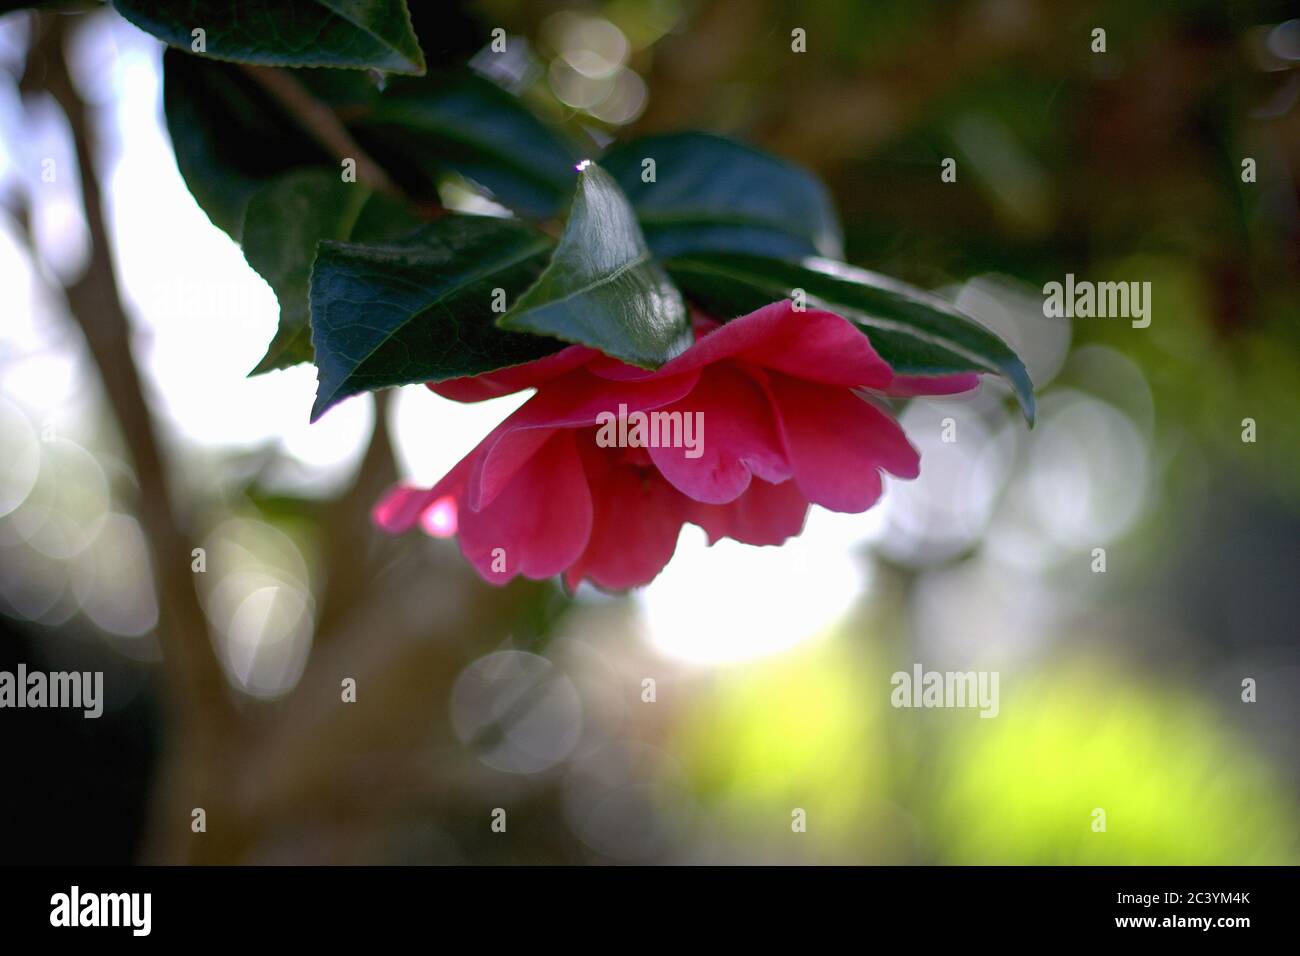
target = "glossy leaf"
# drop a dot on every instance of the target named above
(461, 122)
(602, 288)
(353, 34)
(421, 309)
(285, 220)
(916, 332)
(229, 137)
(712, 194)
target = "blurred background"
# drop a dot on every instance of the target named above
(1119, 690)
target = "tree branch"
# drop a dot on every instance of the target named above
(197, 693)
(321, 121)
(349, 568)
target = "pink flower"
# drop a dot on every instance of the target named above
(784, 425)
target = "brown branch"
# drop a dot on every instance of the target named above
(349, 566)
(196, 690)
(323, 124)
(208, 735)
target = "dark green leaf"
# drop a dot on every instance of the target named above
(354, 34)
(420, 310)
(229, 137)
(602, 287)
(916, 332)
(712, 194)
(462, 122)
(285, 220)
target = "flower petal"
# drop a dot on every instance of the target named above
(636, 521)
(402, 507)
(573, 401)
(837, 441)
(540, 522)
(765, 514)
(731, 421)
(515, 378)
(815, 345)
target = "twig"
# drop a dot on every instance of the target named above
(323, 124)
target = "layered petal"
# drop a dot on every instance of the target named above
(837, 443)
(759, 418)
(731, 421)
(637, 517)
(575, 400)
(766, 514)
(814, 345)
(540, 522)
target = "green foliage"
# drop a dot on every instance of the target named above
(229, 136)
(1177, 785)
(915, 332)
(663, 221)
(711, 194)
(285, 220)
(459, 121)
(602, 288)
(357, 34)
(420, 310)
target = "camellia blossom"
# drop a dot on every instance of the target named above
(784, 400)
